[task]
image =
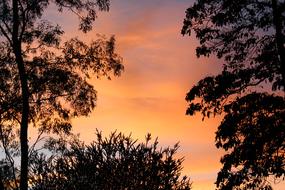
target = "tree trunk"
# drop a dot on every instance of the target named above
(24, 125)
(277, 19)
(25, 97)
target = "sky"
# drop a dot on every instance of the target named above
(149, 97)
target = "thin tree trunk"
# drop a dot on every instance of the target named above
(24, 125)
(277, 19)
(25, 97)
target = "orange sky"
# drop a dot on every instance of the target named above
(160, 67)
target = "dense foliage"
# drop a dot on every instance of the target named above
(45, 81)
(114, 163)
(248, 37)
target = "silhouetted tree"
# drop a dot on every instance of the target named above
(114, 163)
(249, 36)
(45, 81)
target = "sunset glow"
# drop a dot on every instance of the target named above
(149, 96)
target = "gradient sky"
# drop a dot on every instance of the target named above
(160, 67)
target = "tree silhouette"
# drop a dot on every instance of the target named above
(114, 163)
(44, 81)
(249, 36)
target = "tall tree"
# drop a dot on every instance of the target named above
(44, 81)
(248, 35)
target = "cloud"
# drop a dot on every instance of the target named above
(160, 67)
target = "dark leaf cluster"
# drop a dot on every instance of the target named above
(248, 37)
(44, 81)
(58, 73)
(253, 133)
(117, 162)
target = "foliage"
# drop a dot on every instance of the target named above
(249, 36)
(44, 81)
(57, 72)
(253, 131)
(10, 144)
(117, 162)
(6, 176)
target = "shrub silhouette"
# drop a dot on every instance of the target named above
(117, 162)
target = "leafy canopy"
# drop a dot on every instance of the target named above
(46, 81)
(58, 72)
(249, 36)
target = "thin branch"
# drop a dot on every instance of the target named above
(39, 138)
(8, 155)
(7, 27)
(24, 13)
(6, 35)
